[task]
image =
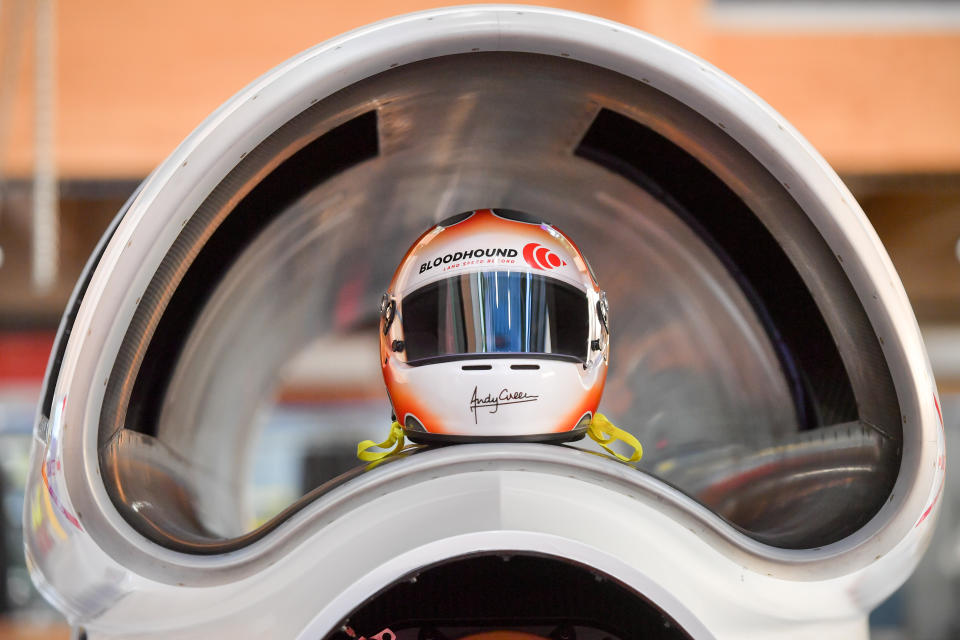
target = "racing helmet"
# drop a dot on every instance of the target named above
(494, 329)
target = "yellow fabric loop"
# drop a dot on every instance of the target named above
(396, 436)
(603, 433)
(601, 430)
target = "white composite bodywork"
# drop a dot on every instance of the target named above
(338, 550)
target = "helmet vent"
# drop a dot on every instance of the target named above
(525, 367)
(477, 367)
(518, 216)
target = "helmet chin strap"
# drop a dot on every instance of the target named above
(395, 440)
(601, 431)
(604, 433)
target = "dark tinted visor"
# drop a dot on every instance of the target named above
(495, 312)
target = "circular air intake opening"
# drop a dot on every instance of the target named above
(741, 356)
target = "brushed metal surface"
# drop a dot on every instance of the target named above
(693, 370)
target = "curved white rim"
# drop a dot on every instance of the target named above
(180, 184)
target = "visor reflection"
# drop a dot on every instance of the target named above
(495, 312)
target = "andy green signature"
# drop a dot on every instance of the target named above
(492, 402)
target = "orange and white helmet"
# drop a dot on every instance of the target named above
(494, 328)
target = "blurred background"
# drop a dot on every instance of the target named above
(94, 94)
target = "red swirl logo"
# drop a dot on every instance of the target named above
(539, 257)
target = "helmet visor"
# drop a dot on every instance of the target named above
(495, 312)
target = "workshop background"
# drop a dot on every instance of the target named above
(95, 93)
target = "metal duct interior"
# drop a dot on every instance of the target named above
(741, 356)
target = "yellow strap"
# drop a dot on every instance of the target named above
(396, 436)
(601, 430)
(603, 433)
